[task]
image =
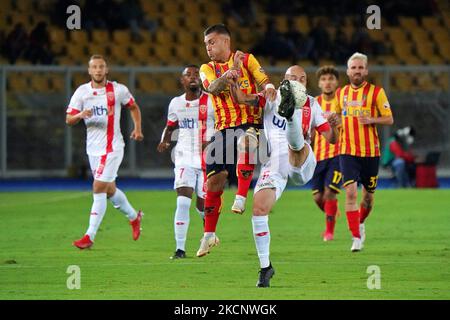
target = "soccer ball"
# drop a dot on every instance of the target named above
(299, 93)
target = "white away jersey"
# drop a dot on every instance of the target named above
(195, 120)
(103, 128)
(275, 125)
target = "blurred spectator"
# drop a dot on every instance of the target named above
(133, 17)
(298, 42)
(16, 43)
(243, 11)
(321, 42)
(273, 44)
(341, 48)
(38, 50)
(398, 156)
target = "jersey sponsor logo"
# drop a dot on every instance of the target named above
(187, 123)
(203, 108)
(244, 84)
(99, 111)
(280, 123)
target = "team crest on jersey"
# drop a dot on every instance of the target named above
(387, 105)
(202, 108)
(110, 97)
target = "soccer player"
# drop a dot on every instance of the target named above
(192, 113)
(291, 156)
(363, 106)
(237, 125)
(99, 103)
(327, 176)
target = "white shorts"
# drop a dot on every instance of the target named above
(186, 176)
(277, 171)
(104, 168)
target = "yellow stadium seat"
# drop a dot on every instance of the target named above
(430, 22)
(212, 19)
(119, 77)
(75, 51)
(150, 7)
(163, 36)
(120, 54)
(169, 7)
(425, 49)
(185, 53)
(441, 81)
(39, 83)
(100, 37)
(79, 79)
(281, 23)
(56, 82)
(376, 78)
(170, 85)
(97, 49)
(146, 83)
(408, 23)
(411, 59)
(435, 59)
(376, 35)
(402, 82)
(420, 35)
(141, 52)
(387, 60)
(302, 24)
(194, 24)
(305, 63)
(424, 82)
(121, 37)
(78, 37)
(57, 35)
(18, 83)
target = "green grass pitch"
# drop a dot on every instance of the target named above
(408, 238)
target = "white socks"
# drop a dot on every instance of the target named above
(120, 201)
(294, 131)
(261, 234)
(97, 213)
(181, 221)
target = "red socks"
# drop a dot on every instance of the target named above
(353, 223)
(330, 208)
(245, 168)
(213, 205)
(364, 213)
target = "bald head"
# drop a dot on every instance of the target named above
(296, 73)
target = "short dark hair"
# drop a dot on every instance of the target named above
(218, 28)
(190, 66)
(97, 56)
(327, 70)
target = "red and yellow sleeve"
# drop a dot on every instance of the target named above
(383, 105)
(207, 75)
(338, 108)
(256, 70)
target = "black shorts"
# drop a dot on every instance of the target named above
(360, 169)
(327, 174)
(221, 153)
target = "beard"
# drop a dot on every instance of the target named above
(101, 79)
(357, 80)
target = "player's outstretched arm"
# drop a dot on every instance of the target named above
(383, 120)
(164, 144)
(72, 120)
(135, 111)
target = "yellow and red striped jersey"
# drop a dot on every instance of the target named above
(322, 148)
(229, 113)
(367, 100)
